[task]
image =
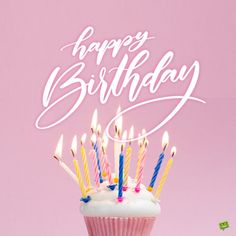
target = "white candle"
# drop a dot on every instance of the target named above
(58, 156)
(117, 145)
(68, 171)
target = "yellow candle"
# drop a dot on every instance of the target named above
(165, 173)
(77, 168)
(140, 152)
(79, 176)
(128, 157)
(127, 164)
(85, 162)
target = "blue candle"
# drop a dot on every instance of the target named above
(156, 170)
(165, 141)
(120, 183)
(98, 162)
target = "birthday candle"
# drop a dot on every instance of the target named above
(104, 155)
(77, 168)
(140, 152)
(165, 173)
(140, 174)
(117, 145)
(96, 148)
(165, 141)
(108, 168)
(121, 169)
(58, 157)
(85, 161)
(94, 158)
(128, 159)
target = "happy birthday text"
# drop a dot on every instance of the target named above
(124, 76)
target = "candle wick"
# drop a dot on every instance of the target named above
(56, 157)
(103, 150)
(164, 148)
(73, 154)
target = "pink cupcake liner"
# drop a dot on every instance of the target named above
(115, 226)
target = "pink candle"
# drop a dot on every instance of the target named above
(108, 170)
(140, 173)
(94, 159)
(104, 159)
(95, 166)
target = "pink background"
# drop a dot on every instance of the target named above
(37, 197)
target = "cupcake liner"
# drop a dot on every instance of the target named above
(115, 226)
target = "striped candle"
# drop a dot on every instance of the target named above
(108, 171)
(104, 159)
(77, 168)
(85, 162)
(120, 183)
(140, 173)
(121, 169)
(95, 166)
(140, 151)
(127, 165)
(165, 141)
(165, 173)
(95, 162)
(128, 159)
(98, 162)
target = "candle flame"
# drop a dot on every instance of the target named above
(124, 137)
(144, 134)
(93, 139)
(58, 151)
(118, 122)
(83, 138)
(74, 146)
(165, 140)
(117, 112)
(173, 151)
(144, 131)
(104, 141)
(99, 129)
(94, 120)
(131, 133)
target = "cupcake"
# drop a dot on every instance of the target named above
(134, 216)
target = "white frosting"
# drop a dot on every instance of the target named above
(104, 203)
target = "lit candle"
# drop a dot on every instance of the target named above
(165, 142)
(58, 157)
(117, 144)
(77, 168)
(104, 159)
(94, 121)
(140, 174)
(106, 164)
(140, 153)
(128, 159)
(95, 163)
(85, 162)
(165, 173)
(96, 148)
(121, 169)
